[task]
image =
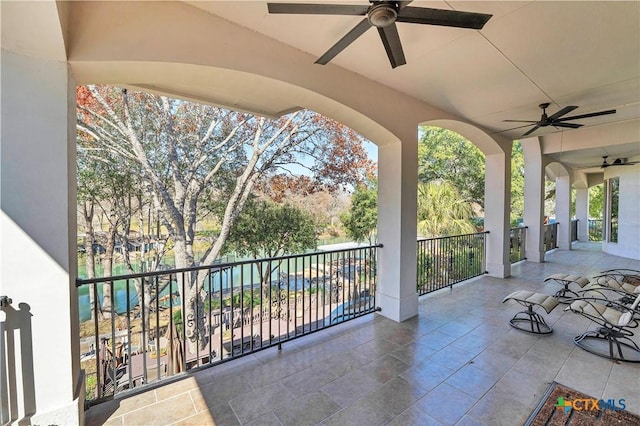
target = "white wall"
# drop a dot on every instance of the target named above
(628, 244)
(38, 259)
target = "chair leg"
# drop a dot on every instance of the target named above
(535, 321)
(563, 296)
(615, 340)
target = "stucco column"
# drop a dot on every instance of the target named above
(563, 211)
(533, 199)
(582, 213)
(37, 240)
(497, 207)
(397, 220)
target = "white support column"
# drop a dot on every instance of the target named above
(496, 213)
(582, 213)
(37, 241)
(533, 199)
(563, 211)
(397, 221)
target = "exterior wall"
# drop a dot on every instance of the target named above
(38, 262)
(628, 244)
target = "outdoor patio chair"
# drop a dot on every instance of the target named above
(626, 276)
(620, 279)
(602, 285)
(615, 321)
(610, 289)
(567, 280)
(529, 320)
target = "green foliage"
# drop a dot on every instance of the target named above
(596, 201)
(446, 261)
(268, 229)
(442, 210)
(361, 221)
(444, 155)
(91, 383)
(517, 183)
(550, 198)
(177, 320)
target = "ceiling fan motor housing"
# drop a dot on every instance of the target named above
(382, 15)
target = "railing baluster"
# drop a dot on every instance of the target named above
(128, 332)
(221, 309)
(445, 261)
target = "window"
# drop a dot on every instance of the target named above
(614, 198)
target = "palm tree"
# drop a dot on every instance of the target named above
(442, 211)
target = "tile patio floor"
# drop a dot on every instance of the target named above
(458, 362)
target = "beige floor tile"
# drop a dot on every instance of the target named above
(458, 361)
(166, 412)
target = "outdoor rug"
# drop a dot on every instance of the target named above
(561, 405)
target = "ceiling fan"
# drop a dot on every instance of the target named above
(383, 15)
(616, 162)
(556, 119)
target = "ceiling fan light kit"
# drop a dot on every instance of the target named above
(383, 15)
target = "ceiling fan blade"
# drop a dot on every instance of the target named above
(317, 9)
(592, 114)
(391, 42)
(447, 18)
(345, 41)
(563, 111)
(512, 128)
(621, 162)
(568, 125)
(533, 129)
(519, 121)
(403, 4)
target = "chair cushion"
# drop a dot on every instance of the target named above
(595, 309)
(529, 297)
(581, 281)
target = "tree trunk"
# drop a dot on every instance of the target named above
(107, 263)
(90, 256)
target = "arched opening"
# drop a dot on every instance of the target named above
(557, 221)
(154, 167)
(496, 191)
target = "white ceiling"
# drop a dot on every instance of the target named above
(584, 53)
(565, 53)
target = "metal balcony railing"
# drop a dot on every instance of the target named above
(595, 229)
(574, 230)
(444, 261)
(550, 236)
(147, 327)
(517, 244)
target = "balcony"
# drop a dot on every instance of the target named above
(457, 362)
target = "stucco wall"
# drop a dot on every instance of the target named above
(628, 244)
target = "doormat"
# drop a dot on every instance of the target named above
(563, 406)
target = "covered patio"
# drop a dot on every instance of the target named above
(237, 55)
(457, 362)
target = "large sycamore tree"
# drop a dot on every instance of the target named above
(197, 159)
